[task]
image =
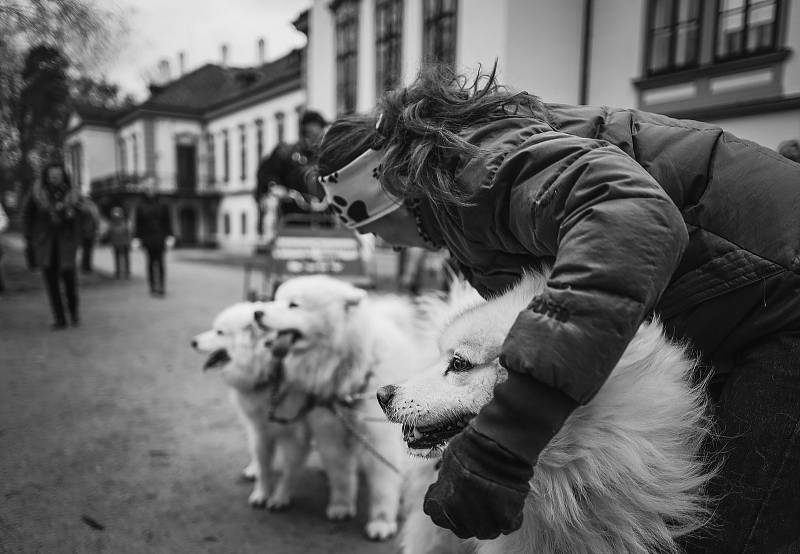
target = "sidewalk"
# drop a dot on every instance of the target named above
(112, 438)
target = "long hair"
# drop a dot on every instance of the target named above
(421, 127)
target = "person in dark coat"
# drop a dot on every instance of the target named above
(52, 226)
(280, 178)
(119, 236)
(153, 230)
(90, 222)
(639, 215)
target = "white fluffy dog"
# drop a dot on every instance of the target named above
(241, 350)
(345, 344)
(622, 475)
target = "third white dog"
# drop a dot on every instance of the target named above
(622, 476)
(241, 351)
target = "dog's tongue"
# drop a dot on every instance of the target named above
(283, 343)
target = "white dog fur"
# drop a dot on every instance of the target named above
(346, 345)
(623, 474)
(240, 350)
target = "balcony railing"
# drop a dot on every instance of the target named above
(134, 183)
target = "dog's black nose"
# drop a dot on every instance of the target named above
(385, 396)
(258, 314)
(194, 343)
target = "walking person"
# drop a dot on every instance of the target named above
(153, 230)
(119, 236)
(90, 223)
(4, 224)
(52, 225)
(638, 215)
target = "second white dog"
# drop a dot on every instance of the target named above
(345, 344)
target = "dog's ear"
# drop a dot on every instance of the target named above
(354, 297)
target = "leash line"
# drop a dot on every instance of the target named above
(362, 439)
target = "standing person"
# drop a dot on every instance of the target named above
(153, 230)
(638, 214)
(90, 223)
(52, 225)
(3, 226)
(119, 235)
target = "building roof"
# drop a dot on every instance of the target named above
(207, 91)
(91, 114)
(211, 87)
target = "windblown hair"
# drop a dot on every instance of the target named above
(422, 128)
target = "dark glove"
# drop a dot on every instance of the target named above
(485, 470)
(481, 488)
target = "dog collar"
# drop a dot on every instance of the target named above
(355, 193)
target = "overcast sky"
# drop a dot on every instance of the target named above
(162, 28)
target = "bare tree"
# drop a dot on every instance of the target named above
(87, 34)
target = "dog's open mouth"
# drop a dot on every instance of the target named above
(216, 359)
(420, 437)
(284, 342)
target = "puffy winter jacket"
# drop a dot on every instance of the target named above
(638, 213)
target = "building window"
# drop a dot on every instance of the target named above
(346, 15)
(123, 156)
(439, 20)
(243, 151)
(746, 27)
(259, 139)
(212, 159)
(388, 44)
(244, 223)
(135, 144)
(674, 37)
(226, 223)
(280, 126)
(226, 161)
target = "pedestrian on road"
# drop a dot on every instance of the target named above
(153, 230)
(4, 223)
(90, 223)
(119, 235)
(638, 214)
(52, 225)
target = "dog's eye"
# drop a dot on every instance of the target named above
(220, 333)
(293, 305)
(457, 363)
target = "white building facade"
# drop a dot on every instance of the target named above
(198, 139)
(730, 62)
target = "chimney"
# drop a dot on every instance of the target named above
(181, 63)
(262, 52)
(224, 50)
(163, 71)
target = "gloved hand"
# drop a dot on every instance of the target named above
(481, 488)
(483, 480)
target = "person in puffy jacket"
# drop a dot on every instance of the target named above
(638, 215)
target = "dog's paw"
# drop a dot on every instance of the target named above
(380, 529)
(249, 473)
(337, 512)
(258, 498)
(278, 501)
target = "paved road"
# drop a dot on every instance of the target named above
(113, 440)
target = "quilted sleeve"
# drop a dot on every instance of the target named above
(616, 238)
